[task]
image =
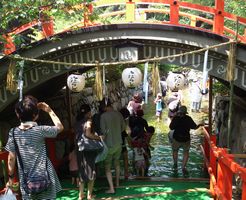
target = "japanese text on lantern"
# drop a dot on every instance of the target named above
(131, 78)
(74, 82)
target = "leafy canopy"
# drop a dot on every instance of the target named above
(17, 12)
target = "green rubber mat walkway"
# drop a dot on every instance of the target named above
(170, 189)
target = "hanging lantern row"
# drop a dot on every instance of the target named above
(76, 82)
(132, 77)
(175, 81)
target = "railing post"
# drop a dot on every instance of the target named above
(244, 36)
(174, 12)
(130, 11)
(212, 159)
(193, 21)
(47, 22)
(9, 46)
(218, 26)
(206, 145)
(48, 27)
(87, 12)
(244, 190)
(224, 177)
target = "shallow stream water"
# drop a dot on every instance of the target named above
(162, 162)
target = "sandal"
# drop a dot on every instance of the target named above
(91, 198)
(81, 198)
(109, 192)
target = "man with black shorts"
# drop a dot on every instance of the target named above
(181, 124)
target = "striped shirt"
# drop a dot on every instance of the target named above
(31, 144)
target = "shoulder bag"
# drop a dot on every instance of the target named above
(35, 182)
(87, 144)
(103, 154)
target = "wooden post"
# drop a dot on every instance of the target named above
(224, 178)
(130, 11)
(47, 22)
(88, 9)
(69, 106)
(244, 36)
(230, 78)
(9, 46)
(212, 157)
(244, 189)
(218, 26)
(206, 146)
(193, 21)
(174, 12)
(210, 107)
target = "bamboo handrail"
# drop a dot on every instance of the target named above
(239, 155)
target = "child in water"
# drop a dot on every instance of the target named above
(159, 105)
(139, 157)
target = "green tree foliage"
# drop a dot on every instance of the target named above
(236, 7)
(17, 12)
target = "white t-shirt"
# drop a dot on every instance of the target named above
(139, 153)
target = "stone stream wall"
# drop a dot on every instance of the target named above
(237, 138)
(221, 115)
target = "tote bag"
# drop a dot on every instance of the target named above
(102, 155)
(87, 144)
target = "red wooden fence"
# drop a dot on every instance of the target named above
(221, 168)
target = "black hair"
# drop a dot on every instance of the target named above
(27, 108)
(125, 112)
(84, 108)
(151, 129)
(140, 112)
(105, 102)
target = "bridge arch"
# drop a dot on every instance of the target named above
(88, 45)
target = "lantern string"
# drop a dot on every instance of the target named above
(155, 59)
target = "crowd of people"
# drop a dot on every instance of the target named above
(118, 130)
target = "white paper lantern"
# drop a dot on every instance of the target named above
(175, 81)
(76, 82)
(132, 77)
